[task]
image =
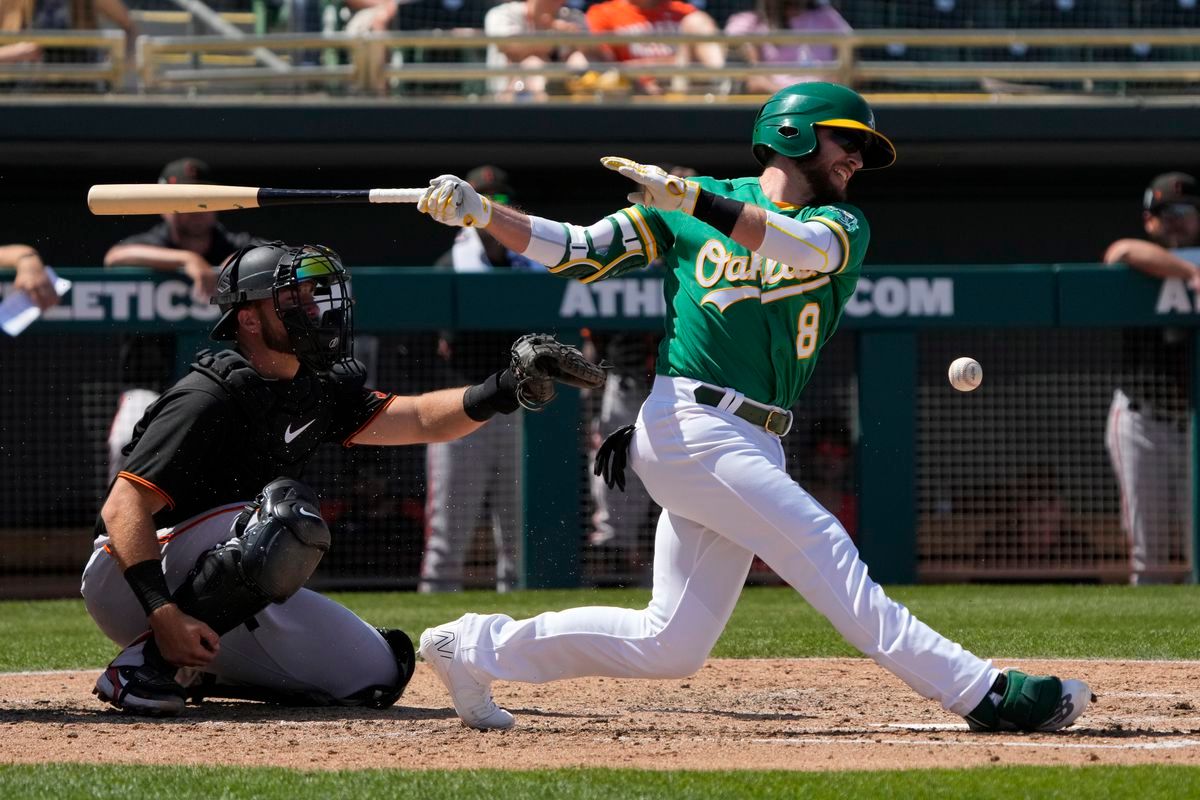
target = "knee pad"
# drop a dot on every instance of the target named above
(278, 543)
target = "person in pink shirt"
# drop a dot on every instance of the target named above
(786, 15)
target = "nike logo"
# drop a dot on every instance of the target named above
(304, 512)
(289, 434)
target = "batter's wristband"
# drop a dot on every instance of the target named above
(149, 584)
(496, 395)
(717, 210)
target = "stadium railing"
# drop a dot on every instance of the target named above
(1010, 482)
(95, 57)
(1099, 60)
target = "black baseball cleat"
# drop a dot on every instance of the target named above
(139, 681)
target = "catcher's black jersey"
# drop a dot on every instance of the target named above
(200, 448)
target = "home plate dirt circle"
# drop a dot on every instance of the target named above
(809, 714)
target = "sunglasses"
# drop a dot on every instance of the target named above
(850, 141)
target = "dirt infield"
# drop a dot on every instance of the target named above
(810, 714)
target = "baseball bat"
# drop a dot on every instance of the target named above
(184, 198)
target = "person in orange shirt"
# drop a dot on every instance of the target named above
(664, 16)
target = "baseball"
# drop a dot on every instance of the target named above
(965, 374)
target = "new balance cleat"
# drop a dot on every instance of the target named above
(471, 697)
(1030, 703)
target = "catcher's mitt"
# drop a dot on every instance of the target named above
(538, 360)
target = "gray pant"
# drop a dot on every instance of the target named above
(620, 517)
(305, 644)
(462, 477)
(1150, 461)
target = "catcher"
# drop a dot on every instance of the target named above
(207, 536)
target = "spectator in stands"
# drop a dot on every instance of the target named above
(20, 51)
(1147, 432)
(16, 16)
(81, 15)
(480, 471)
(193, 244)
(658, 16)
(371, 16)
(770, 16)
(31, 275)
(531, 16)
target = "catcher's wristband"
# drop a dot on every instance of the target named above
(717, 210)
(149, 585)
(496, 395)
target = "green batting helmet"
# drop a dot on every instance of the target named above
(786, 124)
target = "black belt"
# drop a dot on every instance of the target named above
(769, 418)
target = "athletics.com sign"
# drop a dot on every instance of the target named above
(642, 297)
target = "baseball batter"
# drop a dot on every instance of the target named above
(191, 571)
(760, 271)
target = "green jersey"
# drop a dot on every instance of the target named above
(734, 318)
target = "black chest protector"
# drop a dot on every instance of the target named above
(286, 420)
(232, 372)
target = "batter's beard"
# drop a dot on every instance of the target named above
(821, 183)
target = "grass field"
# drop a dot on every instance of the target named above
(1001, 621)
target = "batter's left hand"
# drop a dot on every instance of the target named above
(452, 201)
(659, 189)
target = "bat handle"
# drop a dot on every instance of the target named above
(395, 195)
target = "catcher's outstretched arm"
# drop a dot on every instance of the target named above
(431, 417)
(537, 362)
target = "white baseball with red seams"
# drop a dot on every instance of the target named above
(965, 374)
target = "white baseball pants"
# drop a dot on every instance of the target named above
(306, 643)
(726, 497)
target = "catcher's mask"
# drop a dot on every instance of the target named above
(321, 327)
(787, 123)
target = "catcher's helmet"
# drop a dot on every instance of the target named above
(320, 329)
(786, 123)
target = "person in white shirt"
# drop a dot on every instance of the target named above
(531, 16)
